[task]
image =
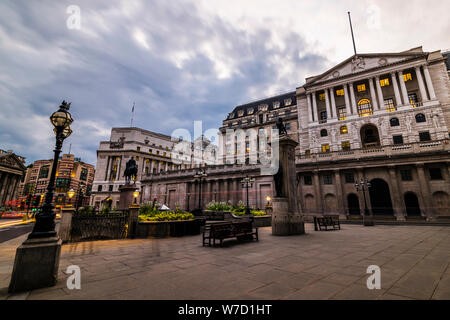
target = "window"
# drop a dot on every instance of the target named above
(407, 77)
(323, 116)
(323, 133)
(287, 102)
(322, 96)
(288, 126)
(384, 82)
(138, 148)
(83, 174)
(307, 153)
(389, 105)
(420, 118)
(345, 145)
(240, 113)
(406, 175)
(247, 146)
(100, 187)
(412, 97)
(264, 107)
(342, 113)
(150, 151)
(398, 139)
(325, 148)
(276, 104)
(111, 187)
(343, 130)
(340, 92)
(307, 180)
(349, 177)
(261, 118)
(250, 111)
(424, 136)
(435, 173)
(361, 87)
(327, 179)
(394, 122)
(43, 172)
(364, 108)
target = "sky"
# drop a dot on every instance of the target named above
(179, 61)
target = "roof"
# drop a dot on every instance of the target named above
(267, 101)
(447, 57)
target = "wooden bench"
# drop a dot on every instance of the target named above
(222, 231)
(326, 222)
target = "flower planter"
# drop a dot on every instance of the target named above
(163, 229)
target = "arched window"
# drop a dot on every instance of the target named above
(394, 122)
(343, 130)
(364, 108)
(323, 133)
(420, 118)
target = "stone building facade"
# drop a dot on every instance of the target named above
(12, 171)
(71, 173)
(381, 118)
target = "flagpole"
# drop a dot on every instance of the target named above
(351, 29)
(132, 116)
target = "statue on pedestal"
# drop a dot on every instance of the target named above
(131, 169)
(281, 127)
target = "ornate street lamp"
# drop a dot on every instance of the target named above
(200, 175)
(70, 193)
(135, 196)
(45, 218)
(368, 217)
(246, 183)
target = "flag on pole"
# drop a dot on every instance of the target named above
(132, 115)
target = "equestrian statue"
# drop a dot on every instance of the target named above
(131, 170)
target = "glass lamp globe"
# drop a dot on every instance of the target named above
(61, 119)
(71, 193)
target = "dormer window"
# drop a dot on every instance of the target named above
(231, 115)
(264, 107)
(287, 102)
(250, 111)
(276, 104)
(240, 113)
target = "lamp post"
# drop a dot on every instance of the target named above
(200, 175)
(70, 193)
(246, 183)
(365, 185)
(80, 197)
(135, 196)
(45, 218)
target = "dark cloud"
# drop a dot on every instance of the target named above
(188, 66)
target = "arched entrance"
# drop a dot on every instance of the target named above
(369, 136)
(353, 205)
(380, 198)
(412, 205)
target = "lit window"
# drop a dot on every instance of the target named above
(250, 111)
(361, 87)
(247, 147)
(342, 113)
(412, 97)
(384, 82)
(407, 77)
(322, 96)
(346, 145)
(389, 104)
(344, 130)
(240, 113)
(307, 153)
(325, 148)
(263, 107)
(364, 108)
(340, 92)
(276, 104)
(287, 102)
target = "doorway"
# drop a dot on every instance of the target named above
(380, 198)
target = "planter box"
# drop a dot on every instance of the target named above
(162, 229)
(262, 221)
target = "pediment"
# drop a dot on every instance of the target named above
(12, 161)
(362, 62)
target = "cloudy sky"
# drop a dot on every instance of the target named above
(179, 61)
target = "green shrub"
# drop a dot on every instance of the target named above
(167, 216)
(87, 210)
(219, 206)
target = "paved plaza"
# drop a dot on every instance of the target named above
(414, 262)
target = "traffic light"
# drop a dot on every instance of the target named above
(36, 200)
(28, 200)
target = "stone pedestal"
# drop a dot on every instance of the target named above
(284, 222)
(126, 196)
(287, 218)
(65, 224)
(36, 264)
(133, 219)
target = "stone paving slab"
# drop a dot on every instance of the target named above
(414, 262)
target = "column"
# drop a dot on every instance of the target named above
(236, 189)
(339, 193)
(429, 83)
(398, 100)
(314, 99)
(352, 96)
(2, 184)
(373, 95)
(425, 190)
(403, 88)
(318, 193)
(380, 93)
(396, 195)
(333, 104)
(310, 112)
(423, 93)
(225, 195)
(347, 101)
(327, 105)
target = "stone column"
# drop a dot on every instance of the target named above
(423, 93)
(398, 100)
(352, 96)
(333, 104)
(425, 190)
(399, 208)
(373, 95)
(339, 193)
(327, 105)
(403, 88)
(314, 99)
(225, 195)
(347, 101)
(318, 193)
(310, 112)
(380, 93)
(426, 72)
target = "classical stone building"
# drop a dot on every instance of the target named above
(12, 170)
(71, 173)
(381, 118)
